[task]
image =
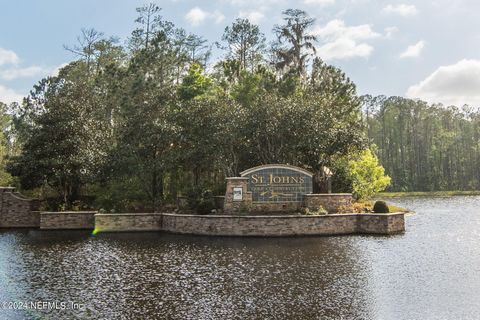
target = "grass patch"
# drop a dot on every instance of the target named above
(427, 194)
(393, 208)
(367, 206)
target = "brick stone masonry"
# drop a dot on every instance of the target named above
(16, 211)
(268, 226)
(332, 202)
(128, 222)
(231, 205)
(67, 220)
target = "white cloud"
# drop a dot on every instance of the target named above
(414, 50)
(255, 3)
(217, 16)
(56, 70)
(8, 95)
(401, 9)
(8, 57)
(337, 29)
(344, 48)
(197, 16)
(28, 72)
(455, 84)
(390, 31)
(319, 2)
(253, 16)
(344, 42)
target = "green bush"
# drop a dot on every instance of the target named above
(244, 208)
(380, 207)
(200, 200)
(194, 195)
(205, 206)
(367, 175)
(313, 211)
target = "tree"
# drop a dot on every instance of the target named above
(136, 125)
(65, 126)
(367, 175)
(144, 138)
(424, 147)
(150, 22)
(334, 128)
(64, 143)
(295, 43)
(245, 43)
(194, 83)
(6, 141)
(198, 50)
(144, 134)
(253, 85)
(86, 47)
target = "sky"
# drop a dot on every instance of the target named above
(418, 49)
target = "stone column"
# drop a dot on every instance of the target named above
(237, 205)
(3, 207)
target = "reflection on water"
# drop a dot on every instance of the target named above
(430, 272)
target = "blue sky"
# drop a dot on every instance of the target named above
(419, 49)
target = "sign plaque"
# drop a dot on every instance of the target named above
(278, 183)
(237, 193)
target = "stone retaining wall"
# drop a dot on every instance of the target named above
(259, 225)
(332, 202)
(268, 226)
(16, 211)
(380, 223)
(128, 222)
(67, 220)
(291, 225)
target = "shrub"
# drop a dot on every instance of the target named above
(244, 208)
(200, 200)
(194, 195)
(367, 175)
(362, 207)
(321, 211)
(205, 206)
(380, 207)
(304, 210)
(345, 209)
(313, 211)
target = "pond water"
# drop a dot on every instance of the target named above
(432, 271)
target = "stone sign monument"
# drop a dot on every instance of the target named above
(271, 187)
(278, 183)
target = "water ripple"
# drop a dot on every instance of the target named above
(430, 272)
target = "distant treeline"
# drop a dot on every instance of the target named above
(425, 147)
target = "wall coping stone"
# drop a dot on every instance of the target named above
(68, 212)
(273, 166)
(326, 194)
(7, 188)
(130, 214)
(286, 216)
